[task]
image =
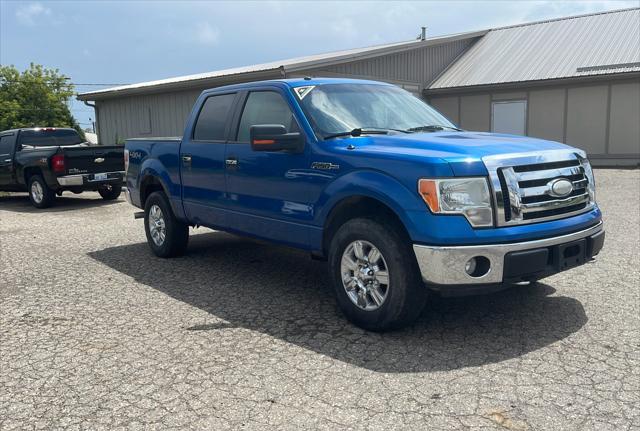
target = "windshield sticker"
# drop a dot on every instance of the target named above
(303, 91)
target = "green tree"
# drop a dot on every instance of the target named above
(37, 97)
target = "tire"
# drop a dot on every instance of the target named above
(166, 235)
(110, 192)
(403, 295)
(40, 195)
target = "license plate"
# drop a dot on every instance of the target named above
(99, 177)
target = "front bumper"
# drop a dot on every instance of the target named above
(520, 261)
(90, 179)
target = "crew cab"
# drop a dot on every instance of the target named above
(398, 200)
(47, 161)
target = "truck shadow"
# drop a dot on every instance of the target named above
(283, 293)
(20, 203)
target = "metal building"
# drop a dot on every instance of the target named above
(573, 80)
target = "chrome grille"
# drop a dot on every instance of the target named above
(522, 186)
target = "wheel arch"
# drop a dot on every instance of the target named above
(151, 183)
(365, 193)
(359, 206)
(30, 171)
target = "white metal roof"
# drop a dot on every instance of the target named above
(595, 44)
(287, 65)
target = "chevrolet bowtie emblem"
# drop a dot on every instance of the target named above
(99, 159)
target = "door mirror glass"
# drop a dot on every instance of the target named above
(274, 137)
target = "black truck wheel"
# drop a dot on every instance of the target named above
(375, 275)
(166, 235)
(110, 192)
(40, 195)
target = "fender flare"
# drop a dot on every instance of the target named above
(372, 184)
(152, 168)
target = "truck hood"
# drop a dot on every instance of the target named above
(462, 150)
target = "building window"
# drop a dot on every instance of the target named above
(509, 117)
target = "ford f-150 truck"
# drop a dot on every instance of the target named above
(398, 199)
(47, 161)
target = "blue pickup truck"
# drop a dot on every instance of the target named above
(395, 197)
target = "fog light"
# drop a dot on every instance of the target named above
(477, 266)
(470, 266)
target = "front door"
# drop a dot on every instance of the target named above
(7, 150)
(202, 163)
(268, 192)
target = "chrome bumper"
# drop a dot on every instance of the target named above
(82, 179)
(446, 265)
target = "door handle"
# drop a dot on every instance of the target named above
(186, 160)
(232, 161)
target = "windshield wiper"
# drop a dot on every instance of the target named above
(364, 131)
(432, 128)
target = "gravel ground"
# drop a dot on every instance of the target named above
(95, 333)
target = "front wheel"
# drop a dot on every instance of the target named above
(40, 195)
(166, 235)
(110, 192)
(375, 275)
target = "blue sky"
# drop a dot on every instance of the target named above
(112, 42)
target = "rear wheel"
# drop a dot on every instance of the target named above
(110, 192)
(166, 235)
(375, 275)
(40, 195)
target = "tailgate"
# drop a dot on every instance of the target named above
(93, 160)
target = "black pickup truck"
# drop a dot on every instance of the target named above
(47, 161)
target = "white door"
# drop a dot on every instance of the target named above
(509, 117)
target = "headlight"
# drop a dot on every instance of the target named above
(588, 172)
(467, 196)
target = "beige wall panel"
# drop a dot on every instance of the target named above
(520, 95)
(143, 116)
(546, 114)
(587, 118)
(448, 106)
(624, 126)
(475, 112)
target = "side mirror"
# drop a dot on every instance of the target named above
(274, 137)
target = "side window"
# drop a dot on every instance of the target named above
(212, 120)
(6, 145)
(265, 107)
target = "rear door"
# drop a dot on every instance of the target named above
(202, 160)
(7, 151)
(268, 192)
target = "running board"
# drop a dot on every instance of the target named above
(138, 214)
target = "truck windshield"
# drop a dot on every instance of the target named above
(338, 108)
(49, 137)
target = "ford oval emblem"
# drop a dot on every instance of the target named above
(560, 187)
(99, 160)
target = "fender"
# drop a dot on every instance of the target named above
(373, 184)
(35, 162)
(152, 167)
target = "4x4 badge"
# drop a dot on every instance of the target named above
(324, 166)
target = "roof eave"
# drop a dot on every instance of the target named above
(193, 84)
(532, 83)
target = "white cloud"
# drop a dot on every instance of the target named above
(207, 34)
(344, 28)
(28, 14)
